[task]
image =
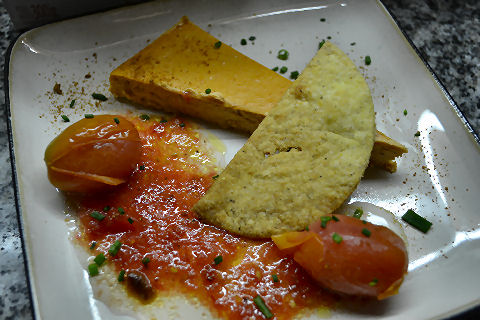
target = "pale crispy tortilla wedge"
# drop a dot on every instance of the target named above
(305, 158)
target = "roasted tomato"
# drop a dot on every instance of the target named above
(349, 256)
(93, 154)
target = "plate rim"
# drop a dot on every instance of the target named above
(459, 313)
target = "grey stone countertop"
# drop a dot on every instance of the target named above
(446, 33)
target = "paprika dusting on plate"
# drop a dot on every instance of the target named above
(163, 249)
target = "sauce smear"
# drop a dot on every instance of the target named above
(163, 239)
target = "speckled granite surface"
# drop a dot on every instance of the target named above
(447, 33)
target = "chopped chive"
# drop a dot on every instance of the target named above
(182, 124)
(329, 37)
(144, 117)
(121, 275)
(358, 213)
(417, 134)
(324, 221)
(336, 237)
(252, 38)
(65, 118)
(218, 260)
(92, 269)
(116, 120)
(115, 248)
(322, 19)
(163, 120)
(307, 228)
(334, 218)
(373, 283)
(320, 45)
(141, 167)
(405, 112)
(215, 177)
(92, 246)
(416, 221)
(106, 208)
(283, 69)
(243, 42)
(218, 44)
(130, 220)
(99, 259)
(99, 96)
(146, 261)
(97, 215)
(353, 43)
(294, 75)
(275, 278)
(121, 210)
(207, 91)
(72, 103)
(275, 69)
(368, 60)
(364, 221)
(89, 116)
(283, 54)
(260, 303)
(366, 232)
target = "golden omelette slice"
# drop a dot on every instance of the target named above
(306, 157)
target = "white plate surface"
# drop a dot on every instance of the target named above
(438, 178)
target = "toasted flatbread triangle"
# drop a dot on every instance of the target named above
(306, 157)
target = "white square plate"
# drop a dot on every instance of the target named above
(438, 178)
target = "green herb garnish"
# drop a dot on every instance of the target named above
(373, 283)
(366, 232)
(92, 246)
(275, 69)
(294, 75)
(130, 220)
(65, 118)
(215, 177)
(97, 215)
(320, 45)
(92, 269)
(116, 120)
(207, 91)
(337, 238)
(262, 307)
(417, 134)
(334, 218)
(324, 221)
(121, 275)
(358, 213)
(72, 103)
(323, 19)
(218, 260)
(243, 42)
(141, 167)
(182, 124)
(218, 44)
(283, 69)
(146, 261)
(89, 116)
(115, 248)
(145, 117)
(121, 210)
(275, 278)
(283, 54)
(106, 208)
(416, 221)
(100, 259)
(368, 60)
(252, 38)
(99, 96)
(405, 112)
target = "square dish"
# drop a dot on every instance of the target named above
(437, 178)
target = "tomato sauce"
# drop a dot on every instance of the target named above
(175, 170)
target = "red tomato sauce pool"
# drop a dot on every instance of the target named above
(163, 239)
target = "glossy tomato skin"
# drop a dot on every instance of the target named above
(93, 154)
(372, 265)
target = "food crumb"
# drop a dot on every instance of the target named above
(56, 89)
